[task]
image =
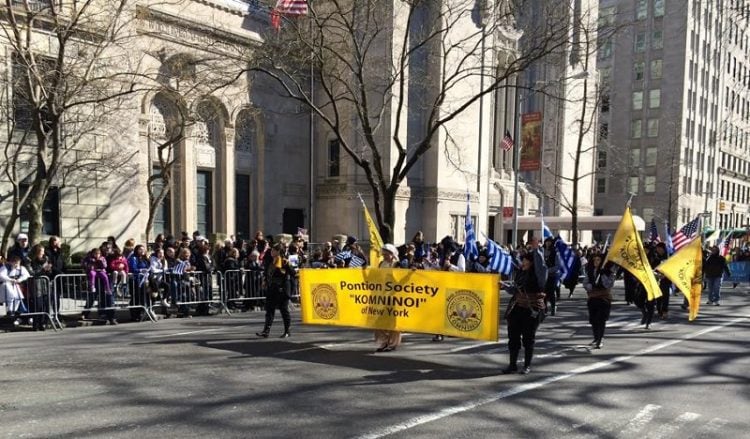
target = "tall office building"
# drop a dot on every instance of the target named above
(673, 125)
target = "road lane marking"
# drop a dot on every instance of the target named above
(667, 430)
(450, 411)
(641, 419)
(183, 333)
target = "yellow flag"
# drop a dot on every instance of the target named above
(685, 270)
(627, 251)
(376, 242)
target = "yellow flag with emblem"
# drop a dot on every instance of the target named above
(627, 251)
(376, 242)
(685, 270)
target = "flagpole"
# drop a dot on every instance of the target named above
(516, 164)
(312, 134)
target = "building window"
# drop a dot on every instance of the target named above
(203, 204)
(654, 98)
(606, 50)
(649, 184)
(457, 226)
(603, 131)
(601, 159)
(640, 42)
(641, 9)
(656, 40)
(633, 185)
(601, 185)
(648, 212)
(50, 211)
(653, 127)
(242, 206)
(605, 102)
(245, 132)
(604, 74)
(637, 100)
(658, 8)
(651, 156)
(635, 157)
(636, 129)
(607, 17)
(638, 68)
(334, 158)
(162, 213)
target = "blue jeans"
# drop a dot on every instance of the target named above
(713, 284)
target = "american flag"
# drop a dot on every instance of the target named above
(500, 260)
(289, 8)
(686, 234)
(653, 232)
(724, 246)
(507, 143)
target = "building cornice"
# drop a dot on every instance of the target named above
(165, 26)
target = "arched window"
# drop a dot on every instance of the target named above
(245, 133)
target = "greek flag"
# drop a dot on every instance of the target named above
(546, 232)
(567, 259)
(471, 252)
(668, 239)
(348, 256)
(500, 260)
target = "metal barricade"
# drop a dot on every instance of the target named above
(75, 295)
(242, 286)
(38, 301)
(194, 288)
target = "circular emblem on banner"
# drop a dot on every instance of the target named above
(324, 301)
(464, 310)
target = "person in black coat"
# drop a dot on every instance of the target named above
(526, 310)
(278, 290)
(714, 268)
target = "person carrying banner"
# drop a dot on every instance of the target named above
(658, 256)
(526, 309)
(713, 269)
(388, 340)
(598, 284)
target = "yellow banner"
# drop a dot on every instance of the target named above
(434, 302)
(685, 270)
(627, 251)
(376, 242)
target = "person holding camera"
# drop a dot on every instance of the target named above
(598, 284)
(278, 282)
(526, 308)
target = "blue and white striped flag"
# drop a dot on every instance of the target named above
(668, 239)
(356, 262)
(567, 259)
(500, 260)
(546, 232)
(471, 252)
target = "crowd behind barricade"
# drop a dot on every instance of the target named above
(187, 275)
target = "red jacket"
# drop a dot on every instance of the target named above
(119, 264)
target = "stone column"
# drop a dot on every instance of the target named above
(225, 177)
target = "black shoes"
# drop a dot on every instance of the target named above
(510, 369)
(525, 370)
(285, 335)
(437, 337)
(263, 334)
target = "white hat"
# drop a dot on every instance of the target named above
(390, 248)
(22, 236)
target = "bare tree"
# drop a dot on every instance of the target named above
(73, 73)
(391, 75)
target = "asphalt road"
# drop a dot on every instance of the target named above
(211, 377)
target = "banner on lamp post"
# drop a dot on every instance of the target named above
(531, 141)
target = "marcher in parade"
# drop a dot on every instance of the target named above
(526, 309)
(598, 285)
(388, 340)
(552, 285)
(662, 303)
(278, 285)
(714, 268)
